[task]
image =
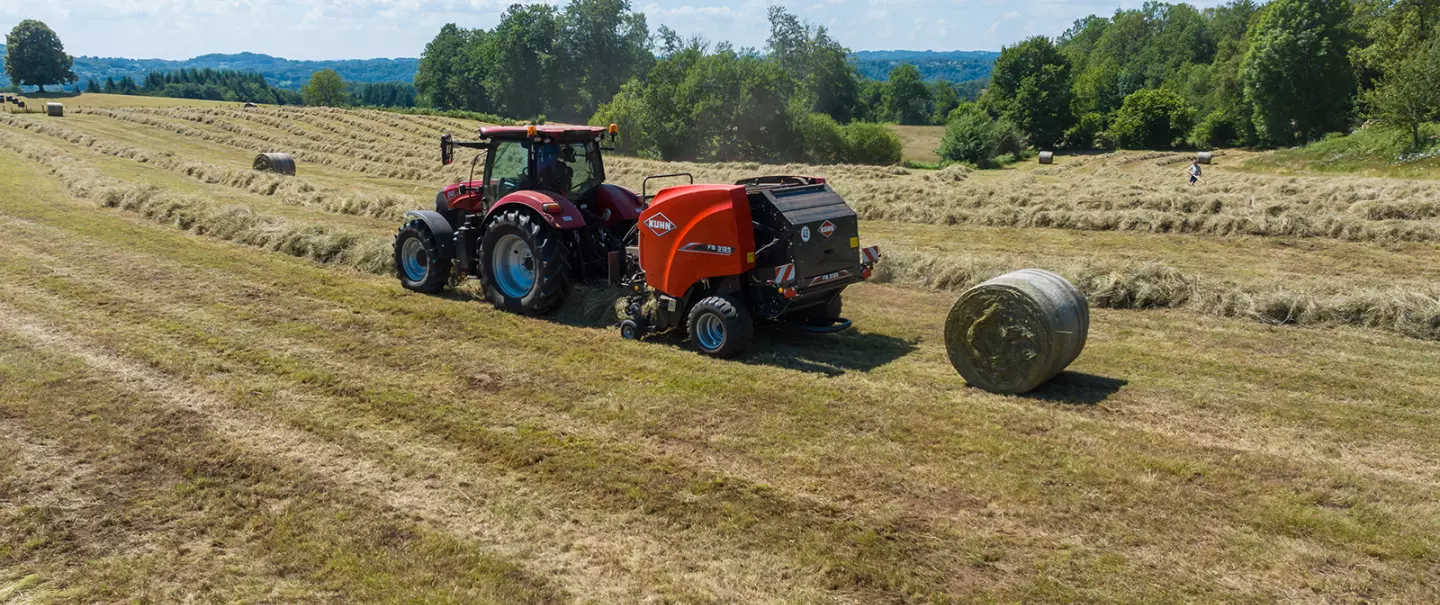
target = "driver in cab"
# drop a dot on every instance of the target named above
(552, 167)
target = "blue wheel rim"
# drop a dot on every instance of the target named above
(414, 259)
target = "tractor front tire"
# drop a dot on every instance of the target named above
(720, 327)
(525, 267)
(418, 261)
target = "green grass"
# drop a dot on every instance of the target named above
(183, 417)
(1373, 151)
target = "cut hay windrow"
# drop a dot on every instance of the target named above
(1412, 310)
(308, 152)
(292, 191)
(299, 123)
(1107, 199)
(242, 225)
(295, 136)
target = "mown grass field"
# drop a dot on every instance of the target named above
(212, 390)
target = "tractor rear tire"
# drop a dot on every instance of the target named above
(720, 327)
(525, 267)
(418, 261)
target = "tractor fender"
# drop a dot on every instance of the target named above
(623, 204)
(439, 228)
(563, 215)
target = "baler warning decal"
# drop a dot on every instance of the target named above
(872, 254)
(659, 225)
(784, 273)
(707, 249)
(827, 228)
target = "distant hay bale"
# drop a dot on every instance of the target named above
(280, 163)
(1203, 157)
(54, 110)
(1047, 157)
(249, 105)
(1012, 333)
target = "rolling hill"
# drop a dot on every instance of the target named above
(280, 72)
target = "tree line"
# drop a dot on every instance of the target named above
(1239, 74)
(210, 84)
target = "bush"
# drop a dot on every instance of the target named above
(1082, 134)
(1152, 119)
(823, 139)
(871, 143)
(972, 136)
(1222, 130)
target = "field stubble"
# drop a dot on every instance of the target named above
(1187, 458)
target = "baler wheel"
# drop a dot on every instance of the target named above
(720, 327)
(523, 264)
(629, 330)
(418, 262)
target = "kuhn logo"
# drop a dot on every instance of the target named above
(659, 225)
(827, 228)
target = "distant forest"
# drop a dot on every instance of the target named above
(951, 66)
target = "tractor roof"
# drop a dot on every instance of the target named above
(558, 133)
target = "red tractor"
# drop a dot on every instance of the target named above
(713, 258)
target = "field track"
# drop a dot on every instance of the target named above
(210, 389)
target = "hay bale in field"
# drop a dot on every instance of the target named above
(280, 163)
(249, 105)
(55, 110)
(1203, 157)
(1014, 332)
(1047, 157)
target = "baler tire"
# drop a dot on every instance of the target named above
(551, 281)
(435, 266)
(735, 328)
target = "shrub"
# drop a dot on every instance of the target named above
(1219, 129)
(1082, 134)
(1152, 119)
(971, 135)
(823, 139)
(871, 143)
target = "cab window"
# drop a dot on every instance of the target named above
(508, 164)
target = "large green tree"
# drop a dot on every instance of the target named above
(452, 71)
(1297, 72)
(325, 89)
(1409, 93)
(1031, 86)
(602, 45)
(34, 56)
(906, 97)
(521, 55)
(823, 70)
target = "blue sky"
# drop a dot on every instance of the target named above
(339, 29)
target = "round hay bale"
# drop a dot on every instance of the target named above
(249, 105)
(1203, 157)
(280, 163)
(1012, 333)
(1047, 157)
(55, 110)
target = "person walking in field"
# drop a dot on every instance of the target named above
(1194, 171)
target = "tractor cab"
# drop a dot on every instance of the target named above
(560, 159)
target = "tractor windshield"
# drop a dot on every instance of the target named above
(570, 169)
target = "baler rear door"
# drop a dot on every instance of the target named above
(820, 227)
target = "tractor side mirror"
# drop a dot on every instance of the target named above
(447, 149)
